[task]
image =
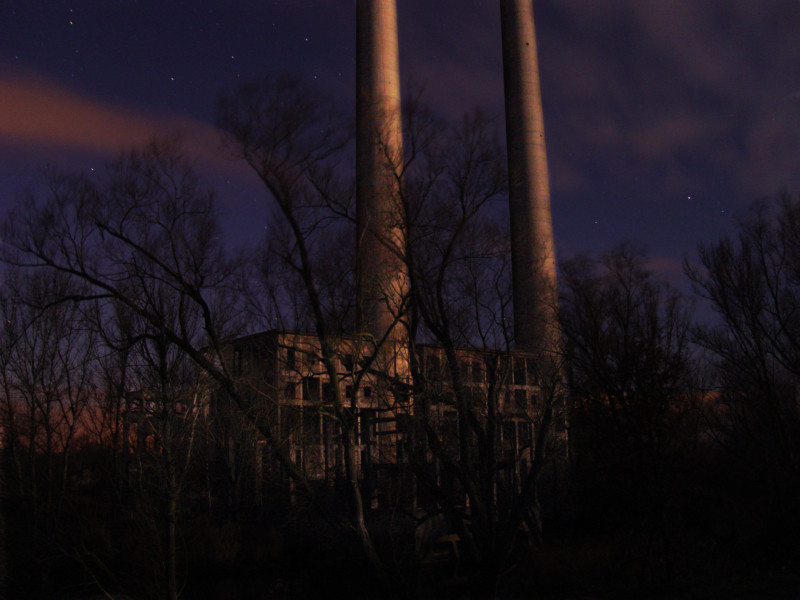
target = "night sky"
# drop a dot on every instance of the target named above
(664, 118)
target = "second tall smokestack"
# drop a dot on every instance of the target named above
(532, 247)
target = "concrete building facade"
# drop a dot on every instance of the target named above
(283, 374)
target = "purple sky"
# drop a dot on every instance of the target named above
(664, 117)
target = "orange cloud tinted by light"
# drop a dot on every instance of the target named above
(39, 113)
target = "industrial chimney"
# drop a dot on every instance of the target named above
(532, 247)
(382, 274)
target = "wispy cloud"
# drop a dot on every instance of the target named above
(40, 113)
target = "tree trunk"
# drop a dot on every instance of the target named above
(358, 506)
(171, 557)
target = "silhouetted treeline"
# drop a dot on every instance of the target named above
(139, 459)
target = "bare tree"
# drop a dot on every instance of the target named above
(452, 182)
(485, 415)
(629, 345)
(290, 139)
(142, 239)
(46, 386)
(107, 424)
(631, 379)
(169, 412)
(145, 237)
(752, 281)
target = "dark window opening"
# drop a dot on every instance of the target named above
(290, 359)
(477, 372)
(464, 370)
(366, 426)
(521, 399)
(525, 436)
(520, 370)
(509, 431)
(327, 392)
(450, 434)
(433, 367)
(312, 432)
(311, 389)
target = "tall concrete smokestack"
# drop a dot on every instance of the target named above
(533, 251)
(381, 227)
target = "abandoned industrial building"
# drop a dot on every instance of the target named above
(288, 383)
